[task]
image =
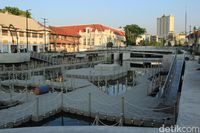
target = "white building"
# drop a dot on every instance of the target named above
(96, 35)
(146, 38)
(165, 25)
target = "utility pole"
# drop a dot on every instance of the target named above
(27, 12)
(45, 41)
(185, 24)
(190, 29)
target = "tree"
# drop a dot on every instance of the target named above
(169, 44)
(109, 45)
(132, 32)
(15, 11)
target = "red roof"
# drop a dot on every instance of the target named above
(75, 29)
(61, 31)
(195, 33)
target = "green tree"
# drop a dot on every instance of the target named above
(132, 32)
(109, 45)
(15, 11)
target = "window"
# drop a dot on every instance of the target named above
(5, 41)
(14, 33)
(4, 32)
(29, 34)
(40, 35)
(21, 42)
(84, 41)
(34, 35)
(62, 37)
(21, 34)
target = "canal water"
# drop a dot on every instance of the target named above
(114, 90)
(65, 119)
(61, 119)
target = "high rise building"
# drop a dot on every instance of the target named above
(165, 25)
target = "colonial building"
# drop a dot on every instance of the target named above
(96, 35)
(17, 33)
(63, 40)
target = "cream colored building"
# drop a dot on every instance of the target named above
(95, 36)
(180, 38)
(165, 25)
(146, 38)
(13, 34)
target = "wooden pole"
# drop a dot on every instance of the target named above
(122, 109)
(89, 103)
(37, 107)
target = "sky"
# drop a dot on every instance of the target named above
(113, 13)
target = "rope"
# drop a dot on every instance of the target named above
(75, 100)
(105, 103)
(144, 116)
(15, 97)
(141, 108)
(108, 125)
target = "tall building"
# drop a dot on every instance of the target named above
(95, 35)
(165, 25)
(15, 36)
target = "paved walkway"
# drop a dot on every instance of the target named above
(189, 109)
(82, 129)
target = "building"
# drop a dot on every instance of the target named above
(154, 38)
(14, 37)
(194, 40)
(165, 25)
(147, 39)
(180, 38)
(63, 40)
(140, 40)
(96, 35)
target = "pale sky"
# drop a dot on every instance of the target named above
(114, 13)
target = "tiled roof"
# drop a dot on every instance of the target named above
(61, 31)
(75, 29)
(195, 33)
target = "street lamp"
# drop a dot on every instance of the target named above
(27, 12)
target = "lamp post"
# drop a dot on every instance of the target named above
(27, 12)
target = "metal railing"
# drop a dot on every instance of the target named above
(163, 90)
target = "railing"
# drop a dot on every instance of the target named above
(14, 57)
(163, 90)
(44, 57)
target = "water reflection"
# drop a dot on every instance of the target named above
(115, 90)
(66, 121)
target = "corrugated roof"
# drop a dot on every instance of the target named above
(19, 22)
